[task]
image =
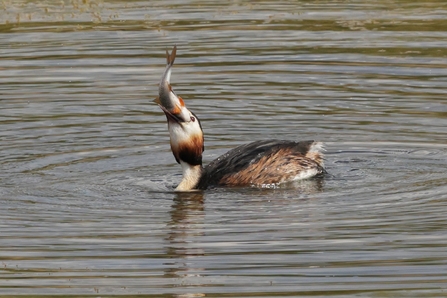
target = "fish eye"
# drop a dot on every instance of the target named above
(193, 119)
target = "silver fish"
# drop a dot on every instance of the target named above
(166, 98)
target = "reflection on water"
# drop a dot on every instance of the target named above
(86, 176)
(182, 247)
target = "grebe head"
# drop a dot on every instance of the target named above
(186, 135)
(186, 145)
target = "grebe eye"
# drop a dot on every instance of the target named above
(193, 119)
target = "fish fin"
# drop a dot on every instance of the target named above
(157, 100)
(171, 57)
(182, 103)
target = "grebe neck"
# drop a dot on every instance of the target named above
(191, 176)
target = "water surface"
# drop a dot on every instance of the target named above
(86, 176)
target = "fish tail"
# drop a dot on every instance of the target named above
(171, 57)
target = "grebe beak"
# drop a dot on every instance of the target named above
(171, 116)
(177, 114)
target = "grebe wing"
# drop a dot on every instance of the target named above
(260, 162)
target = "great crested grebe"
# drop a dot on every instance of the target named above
(268, 162)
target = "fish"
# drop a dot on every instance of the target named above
(167, 99)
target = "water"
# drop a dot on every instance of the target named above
(86, 197)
